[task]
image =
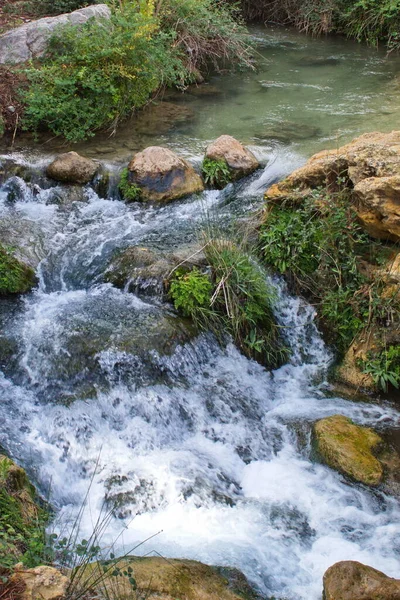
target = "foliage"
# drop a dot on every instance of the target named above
(216, 173)
(190, 291)
(96, 74)
(129, 191)
(15, 277)
(384, 368)
(239, 300)
(320, 247)
(56, 7)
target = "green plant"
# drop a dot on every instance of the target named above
(56, 7)
(15, 276)
(190, 291)
(384, 368)
(129, 191)
(216, 173)
(320, 247)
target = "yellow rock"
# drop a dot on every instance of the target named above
(40, 583)
(349, 448)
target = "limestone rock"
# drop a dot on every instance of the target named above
(70, 167)
(44, 583)
(371, 165)
(349, 448)
(30, 40)
(351, 580)
(162, 175)
(171, 579)
(239, 159)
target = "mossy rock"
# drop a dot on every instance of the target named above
(22, 519)
(170, 579)
(350, 448)
(15, 276)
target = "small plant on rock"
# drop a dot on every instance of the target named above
(129, 191)
(216, 173)
(384, 368)
(190, 292)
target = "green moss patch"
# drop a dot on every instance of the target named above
(15, 276)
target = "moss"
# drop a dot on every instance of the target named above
(22, 519)
(15, 276)
(349, 448)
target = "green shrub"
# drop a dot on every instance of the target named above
(216, 173)
(15, 276)
(191, 291)
(384, 368)
(238, 300)
(320, 247)
(56, 7)
(129, 191)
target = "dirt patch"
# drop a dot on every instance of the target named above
(12, 82)
(14, 13)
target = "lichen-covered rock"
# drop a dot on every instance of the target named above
(40, 583)
(162, 175)
(16, 277)
(171, 579)
(70, 167)
(371, 165)
(30, 40)
(239, 159)
(351, 580)
(349, 448)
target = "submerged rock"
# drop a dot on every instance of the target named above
(289, 131)
(44, 583)
(351, 580)
(370, 166)
(240, 160)
(70, 167)
(160, 117)
(30, 40)
(349, 448)
(162, 175)
(171, 579)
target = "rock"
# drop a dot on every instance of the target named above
(289, 131)
(30, 40)
(160, 117)
(70, 167)
(351, 580)
(162, 175)
(170, 579)
(240, 160)
(44, 583)
(370, 166)
(349, 448)
(378, 206)
(16, 277)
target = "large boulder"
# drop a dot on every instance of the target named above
(30, 40)
(351, 580)
(170, 579)
(239, 159)
(370, 168)
(161, 175)
(349, 448)
(44, 583)
(70, 167)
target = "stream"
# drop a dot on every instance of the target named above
(105, 389)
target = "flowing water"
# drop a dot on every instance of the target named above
(193, 441)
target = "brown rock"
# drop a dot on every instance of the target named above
(163, 175)
(40, 583)
(70, 167)
(351, 580)
(370, 164)
(349, 448)
(239, 159)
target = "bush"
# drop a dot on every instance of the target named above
(216, 173)
(56, 7)
(321, 248)
(238, 300)
(96, 74)
(384, 368)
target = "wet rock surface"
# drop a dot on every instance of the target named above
(240, 160)
(351, 580)
(70, 167)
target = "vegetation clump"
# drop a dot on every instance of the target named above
(15, 276)
(326, 256)
(384, 367)
(95, 75)
(216, 173)
(129, 191)
(233, 298)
